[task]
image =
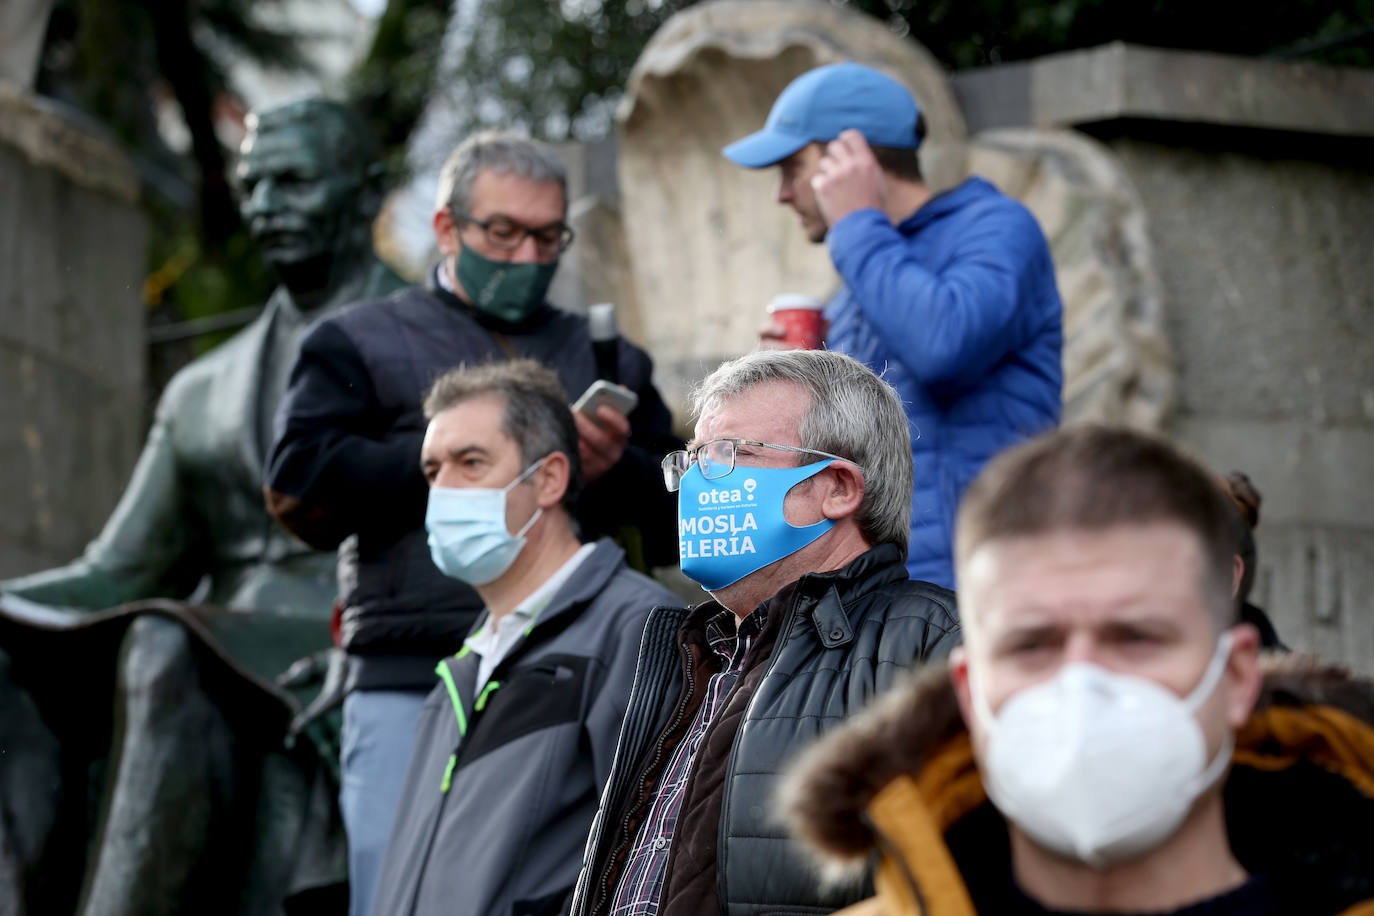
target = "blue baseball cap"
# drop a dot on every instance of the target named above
(819, 104)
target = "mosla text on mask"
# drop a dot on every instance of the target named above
(727, 512)
(691, 545)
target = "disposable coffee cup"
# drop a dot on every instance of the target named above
(801, 320)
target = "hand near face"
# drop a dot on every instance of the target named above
(601, 443)
(848, 178)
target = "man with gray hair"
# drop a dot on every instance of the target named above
(345, 469)
(793, 504)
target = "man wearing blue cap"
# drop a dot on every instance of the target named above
(950, 296)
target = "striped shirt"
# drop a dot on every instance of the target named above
(641, 882)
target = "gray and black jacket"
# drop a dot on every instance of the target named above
(832, 641)
(503, 783)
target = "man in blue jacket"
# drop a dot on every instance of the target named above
(951, 296)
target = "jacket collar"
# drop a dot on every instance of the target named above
(824, 596)
(580, 590)
(945, 202)
(589, 580)
(871, 569)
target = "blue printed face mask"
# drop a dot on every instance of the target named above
(468, 539)
(734, 525)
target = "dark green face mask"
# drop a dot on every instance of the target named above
(502, 289)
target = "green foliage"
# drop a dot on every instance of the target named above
(200, 283)
(554, 67)
(962, 34)
(114, 59)
(557, 67)
(391, 85)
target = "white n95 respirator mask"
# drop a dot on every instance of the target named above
(1096, 766)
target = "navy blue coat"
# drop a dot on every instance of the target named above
(348, 438)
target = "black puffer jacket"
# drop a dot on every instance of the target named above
(347, 455)
(838, 639)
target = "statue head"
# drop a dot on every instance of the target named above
(311, 183)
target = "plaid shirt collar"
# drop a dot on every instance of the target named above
(725, 632)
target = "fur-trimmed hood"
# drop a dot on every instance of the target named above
(907, 762)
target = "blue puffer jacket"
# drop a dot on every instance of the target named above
(957, 308)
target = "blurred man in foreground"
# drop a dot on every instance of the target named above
(1106, 741)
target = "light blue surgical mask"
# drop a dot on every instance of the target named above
(731, 526)
(468, 539)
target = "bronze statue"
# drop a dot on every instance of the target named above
(193, 800)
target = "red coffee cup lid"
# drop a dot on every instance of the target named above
(795, 301)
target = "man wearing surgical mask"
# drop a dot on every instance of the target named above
(515, 742)
(793, 503)
(344, 471)
(1107, 740)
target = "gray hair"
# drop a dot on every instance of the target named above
(853, 413)
(500, 152)
(536, 411)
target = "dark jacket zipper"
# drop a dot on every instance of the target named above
(721, 849)
(686, 657)
(433, 831)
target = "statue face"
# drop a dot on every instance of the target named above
(296, 201)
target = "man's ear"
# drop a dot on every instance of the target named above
(845, 490)
(1243, 674)
(446, 232)
(958, 676)
(1237, 574)
(551, 480)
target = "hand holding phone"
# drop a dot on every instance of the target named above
(601, 440)
(601, 392)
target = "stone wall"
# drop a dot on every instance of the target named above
(71, 332)
(1257, 181)
(1271, 287)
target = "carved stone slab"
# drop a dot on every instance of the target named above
(1117, 365)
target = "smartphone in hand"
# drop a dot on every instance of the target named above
(599, 392)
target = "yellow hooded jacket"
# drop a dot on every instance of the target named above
(900, 784)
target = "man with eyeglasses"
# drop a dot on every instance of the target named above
(793, 504)
(345, 467)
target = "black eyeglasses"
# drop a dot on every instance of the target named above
(716, 458)
(507, 235)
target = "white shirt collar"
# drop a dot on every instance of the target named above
(493, 642)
